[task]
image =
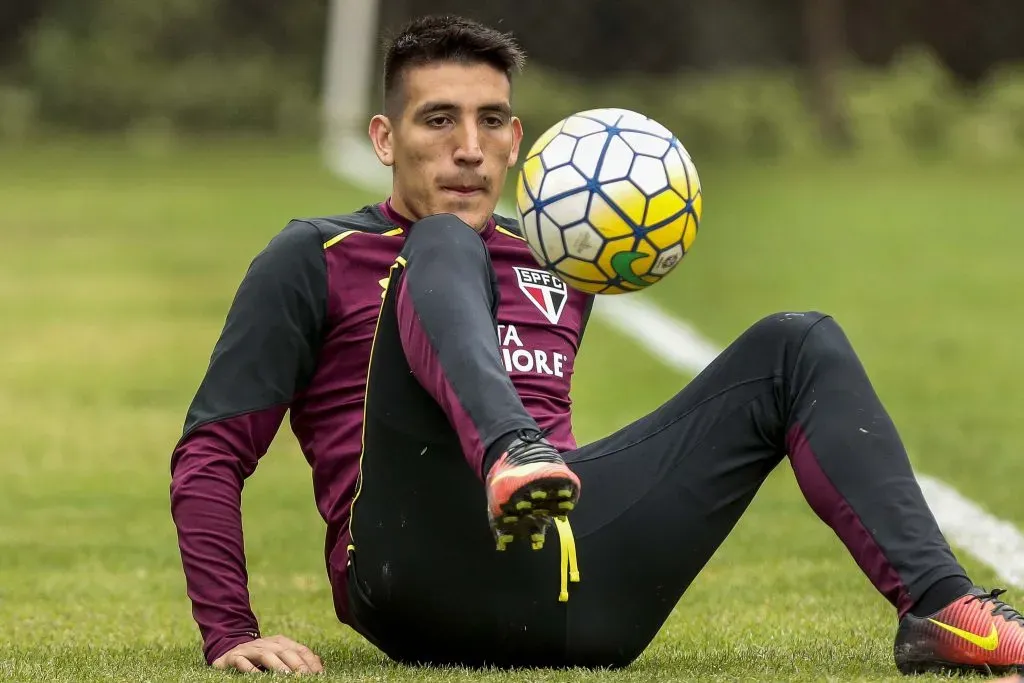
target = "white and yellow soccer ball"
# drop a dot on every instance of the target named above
(609, 200)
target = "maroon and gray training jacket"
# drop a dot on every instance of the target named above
(297, 337)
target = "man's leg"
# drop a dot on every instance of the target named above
(425, 583)
(665, 492)
(446, 306)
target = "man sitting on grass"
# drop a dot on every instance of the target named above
(376, 329)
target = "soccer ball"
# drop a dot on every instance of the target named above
(609, 200)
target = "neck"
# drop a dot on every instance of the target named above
(398, 205)
(401, 209)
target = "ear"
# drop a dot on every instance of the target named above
(381, 138)
(517, 139)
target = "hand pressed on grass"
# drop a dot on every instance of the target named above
(276, 653)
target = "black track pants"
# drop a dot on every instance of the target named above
(658, 497)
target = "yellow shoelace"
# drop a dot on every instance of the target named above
(570, 569)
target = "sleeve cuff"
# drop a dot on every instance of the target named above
(220, 645)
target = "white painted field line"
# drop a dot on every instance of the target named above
(995, 542)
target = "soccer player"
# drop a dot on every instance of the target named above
(426, 361)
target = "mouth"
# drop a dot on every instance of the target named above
(463, 190)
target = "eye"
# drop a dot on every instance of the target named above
(494, 121)
(439, 121)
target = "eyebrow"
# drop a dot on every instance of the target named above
(436, 107)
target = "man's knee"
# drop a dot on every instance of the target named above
(802, 337)
(444, 237)
(790, 329)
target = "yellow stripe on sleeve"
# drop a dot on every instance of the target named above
(337, 238)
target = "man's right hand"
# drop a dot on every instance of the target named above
(276, 653)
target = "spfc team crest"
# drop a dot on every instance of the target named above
(546, 291)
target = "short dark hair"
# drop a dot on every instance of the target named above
(447, 38)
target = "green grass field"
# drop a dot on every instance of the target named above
(116, 271)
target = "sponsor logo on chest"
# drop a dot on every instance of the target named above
(521, 358)
(544, 290)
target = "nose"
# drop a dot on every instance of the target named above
(467, 148)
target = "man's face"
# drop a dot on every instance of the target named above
(453, 142)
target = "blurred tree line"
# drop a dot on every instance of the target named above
(255, 65)
(970, 36)
(200, 64)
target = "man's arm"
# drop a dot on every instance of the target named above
(266, 353)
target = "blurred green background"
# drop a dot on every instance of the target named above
(740, 78)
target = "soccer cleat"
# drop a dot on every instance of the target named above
(527, 487)
(975, 633)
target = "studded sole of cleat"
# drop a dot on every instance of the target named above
(544, 496)
(513, 528)
(528, 513)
